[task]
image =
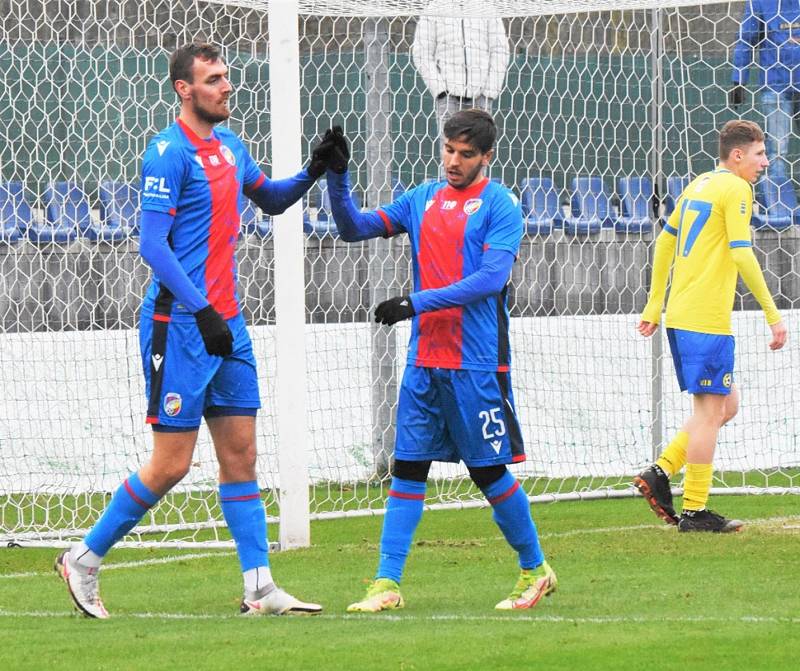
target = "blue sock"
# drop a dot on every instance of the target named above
(247, 521)
(128, 505)
(403, 513)
(512, 513)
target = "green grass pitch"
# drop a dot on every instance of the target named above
(632, 594)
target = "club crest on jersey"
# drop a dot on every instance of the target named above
(472, 206)
(172, 403)
(227, 154)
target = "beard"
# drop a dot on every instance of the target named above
(467, 179)
(207, 115)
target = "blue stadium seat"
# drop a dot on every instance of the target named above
(590, 207)
(675, 186)
(636, 197)
(119, 212)
(253, 221)
(540, 207)
(67, 214)
(15, 213)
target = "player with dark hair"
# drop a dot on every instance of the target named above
(456, 402)
(707, 245)
(197, 354)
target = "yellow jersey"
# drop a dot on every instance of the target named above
(711, 218)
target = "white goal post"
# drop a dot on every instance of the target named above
(602, 110)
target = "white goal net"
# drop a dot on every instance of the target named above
(602, 115)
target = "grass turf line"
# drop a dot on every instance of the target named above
(625, 595)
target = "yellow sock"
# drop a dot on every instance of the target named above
(673, 457)
(696, 485)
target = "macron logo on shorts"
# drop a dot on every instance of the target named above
(157, 359)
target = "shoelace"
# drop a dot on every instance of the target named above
(524, 582)
(89, 585)
(378, 588)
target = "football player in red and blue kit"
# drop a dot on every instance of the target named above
(197, 355)
(455, 402)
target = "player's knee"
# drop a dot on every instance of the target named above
(171, 474)
(483, 476)
(237, 463)
(416, 471)
(245, 457)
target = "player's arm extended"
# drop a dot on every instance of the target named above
(155, 250)
(662, 264)
(353, 225)
(274, 196)
(488, 280)
(747, 263)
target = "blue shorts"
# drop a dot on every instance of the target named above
(457, 415)
(185, 383)
(703, 361)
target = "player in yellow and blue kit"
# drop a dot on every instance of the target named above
(197, 355)
(707, 244)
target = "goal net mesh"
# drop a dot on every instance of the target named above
(602, 112)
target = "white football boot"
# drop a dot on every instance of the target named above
(83, 585)
(278, 602)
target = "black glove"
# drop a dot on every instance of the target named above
(736, 95)
(341, 151)
(394, 310)
(321, 155)
(217, 337)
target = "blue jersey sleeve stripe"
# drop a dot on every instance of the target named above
(670, 230)
(740, 243)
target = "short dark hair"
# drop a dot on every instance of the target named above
(474, 126)
(182, 60)
(738, 133)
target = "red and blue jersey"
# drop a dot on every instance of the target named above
(200, 182)
(450, 230)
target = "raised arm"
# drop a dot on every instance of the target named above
(275, 196)
(352, 224)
